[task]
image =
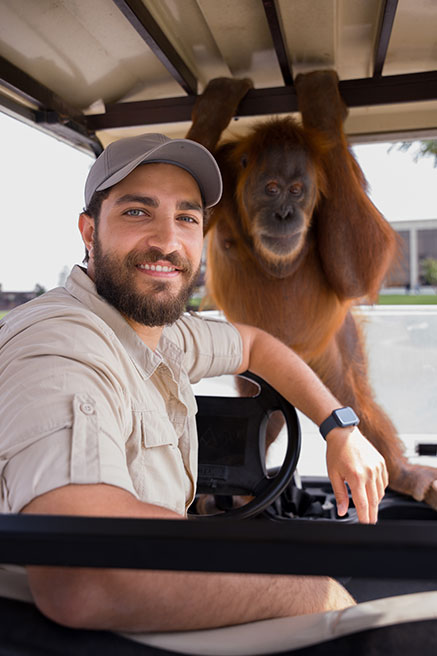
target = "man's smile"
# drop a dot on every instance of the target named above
(159, 269)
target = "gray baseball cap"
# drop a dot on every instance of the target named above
(121, 157)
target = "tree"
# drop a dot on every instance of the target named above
(63, 275)
(430, 271)
(39, 289)
(425, 148)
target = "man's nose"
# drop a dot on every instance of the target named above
(165, 236)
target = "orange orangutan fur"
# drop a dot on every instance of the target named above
(295, 242)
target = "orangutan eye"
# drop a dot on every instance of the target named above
(272, 188)
(296, 189)
(244, 161)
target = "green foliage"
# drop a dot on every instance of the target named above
(39, 289)
(430, 270)
(426, 148)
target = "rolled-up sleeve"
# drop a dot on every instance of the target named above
(211, 346)
(62, 418)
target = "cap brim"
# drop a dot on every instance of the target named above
(189, 155)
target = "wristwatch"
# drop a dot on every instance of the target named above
(341, 417)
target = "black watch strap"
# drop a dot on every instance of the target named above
(339, 418)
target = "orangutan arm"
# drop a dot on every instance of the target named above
(355, 243)
(214, 109)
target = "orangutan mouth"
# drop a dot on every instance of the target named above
(281, 245)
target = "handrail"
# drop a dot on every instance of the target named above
(390, 549)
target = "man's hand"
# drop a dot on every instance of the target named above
(351, 458)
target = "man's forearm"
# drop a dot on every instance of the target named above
(123, 600)
(127, 600)
(267, 357)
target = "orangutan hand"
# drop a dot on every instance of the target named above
(353, 459)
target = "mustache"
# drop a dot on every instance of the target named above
(153, 255)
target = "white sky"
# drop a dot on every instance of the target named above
(42, 183)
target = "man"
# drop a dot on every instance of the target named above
(97, 414)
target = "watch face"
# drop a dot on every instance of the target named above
(346, 417)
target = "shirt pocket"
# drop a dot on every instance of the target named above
(156, 430)
(157, 468)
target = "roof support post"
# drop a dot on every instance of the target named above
(143, 22)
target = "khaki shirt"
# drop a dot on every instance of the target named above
(83, 400)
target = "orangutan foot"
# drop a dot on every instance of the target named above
(431, 495)
(417, 481)
(214, 109)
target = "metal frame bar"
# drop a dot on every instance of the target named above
(15, 109)
(52, 114)
(391, 549)
(68, 130)
(384, 35)
(278, 41)
(50, 122)
(143, 22)
(143, 112)
(27, 87)
(279, 100)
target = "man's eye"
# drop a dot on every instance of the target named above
(135, 212)
(187, 218)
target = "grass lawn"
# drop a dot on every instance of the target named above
(407, 299)
(384, 299)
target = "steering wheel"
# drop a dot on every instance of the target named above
(232, 447)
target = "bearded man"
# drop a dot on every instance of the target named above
(97, 413)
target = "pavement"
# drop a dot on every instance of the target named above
(401, 345)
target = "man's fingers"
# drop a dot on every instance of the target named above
(369, 497)
(341, 495)
(366, 498)
(361, 503)
(355, 460)
(382, 482)
(373, 498)
(386, 477)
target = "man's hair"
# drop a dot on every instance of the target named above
(93, 210)
(95, 205)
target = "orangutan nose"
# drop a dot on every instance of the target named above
(284, 215)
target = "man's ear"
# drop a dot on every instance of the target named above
(87, 228)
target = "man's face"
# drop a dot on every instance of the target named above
(148, 244)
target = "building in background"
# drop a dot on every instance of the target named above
(9, 300)
(418, 242)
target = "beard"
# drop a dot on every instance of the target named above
(116, 280)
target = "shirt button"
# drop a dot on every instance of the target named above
(87, 408)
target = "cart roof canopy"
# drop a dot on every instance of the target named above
(91, 72)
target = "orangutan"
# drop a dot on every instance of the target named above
(295, 242)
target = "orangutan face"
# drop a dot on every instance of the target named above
(277, 201)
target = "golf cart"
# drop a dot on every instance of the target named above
(89, 73)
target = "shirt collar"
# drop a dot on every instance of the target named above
(82, 287)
